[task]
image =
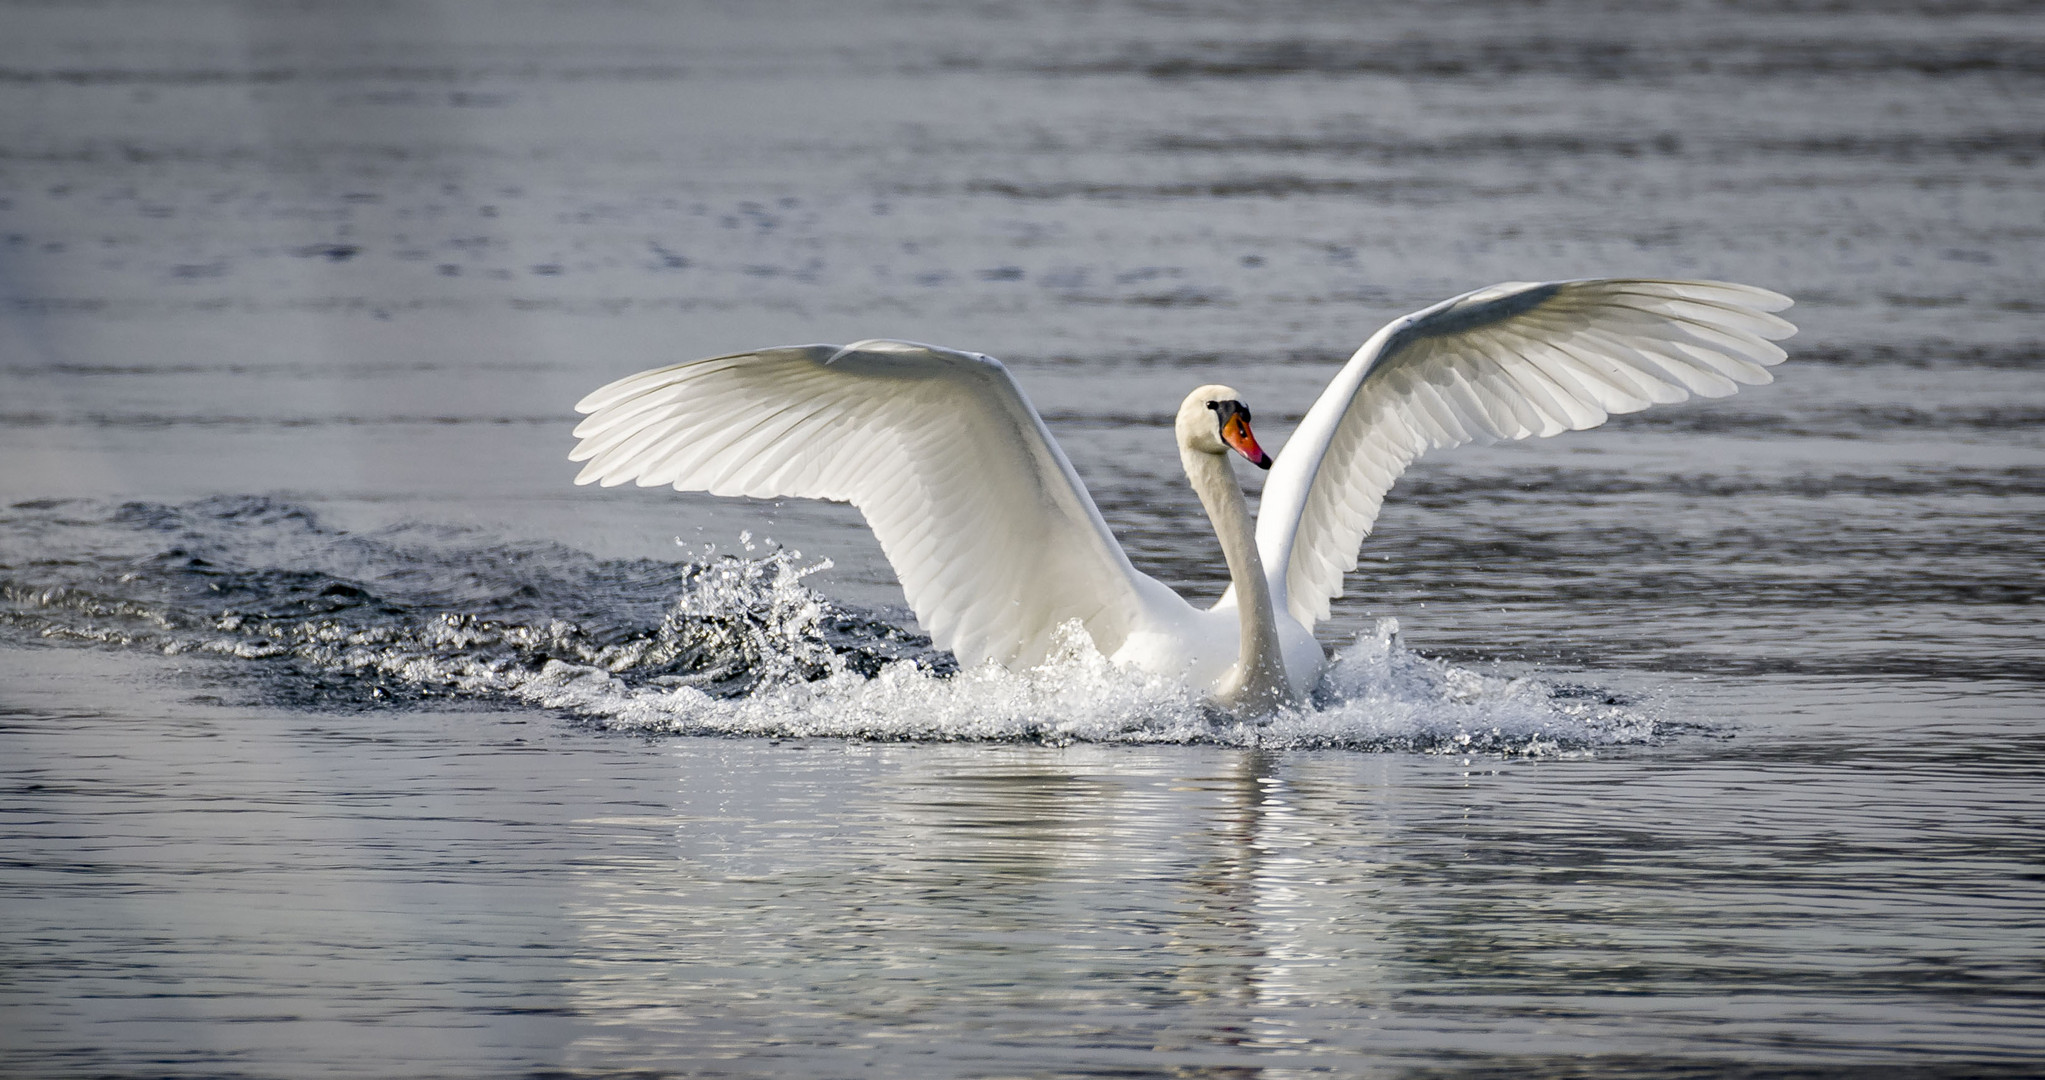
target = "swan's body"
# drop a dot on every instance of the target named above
(998, 545)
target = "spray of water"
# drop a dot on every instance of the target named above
(735, 644)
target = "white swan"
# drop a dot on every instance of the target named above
(997, 544)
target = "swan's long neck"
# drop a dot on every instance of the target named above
(1258, 681)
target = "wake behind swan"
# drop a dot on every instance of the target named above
(283, 609)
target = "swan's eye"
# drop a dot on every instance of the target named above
(1226, 410)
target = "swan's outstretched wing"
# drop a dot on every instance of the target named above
(994, 539)
(1506, 362)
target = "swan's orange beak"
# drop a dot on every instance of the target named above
(1235, 431)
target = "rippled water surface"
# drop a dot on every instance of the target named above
(341, 735)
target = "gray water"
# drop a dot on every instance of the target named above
(341, 735)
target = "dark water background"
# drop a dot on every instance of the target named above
(340, 735)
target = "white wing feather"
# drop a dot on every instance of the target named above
(1507, 362)
(995, 540)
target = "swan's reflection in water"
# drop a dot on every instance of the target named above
(1026, 905)
(832, 909)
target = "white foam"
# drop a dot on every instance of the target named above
(1377, 695)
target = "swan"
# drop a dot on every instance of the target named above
(998, 545)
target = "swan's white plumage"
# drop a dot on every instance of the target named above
(994, 539)
(1507, 362)
(998, 545)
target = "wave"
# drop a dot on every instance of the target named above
(737, 644)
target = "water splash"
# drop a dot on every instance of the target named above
(733, 644)
(1376, 696)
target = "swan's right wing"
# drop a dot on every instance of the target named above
(1506, 362)
(995, 540)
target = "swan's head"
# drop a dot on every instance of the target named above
(1214, 420)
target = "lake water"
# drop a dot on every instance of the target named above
(341, 735)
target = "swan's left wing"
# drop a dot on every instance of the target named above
(995, 540)
(1506, 362)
